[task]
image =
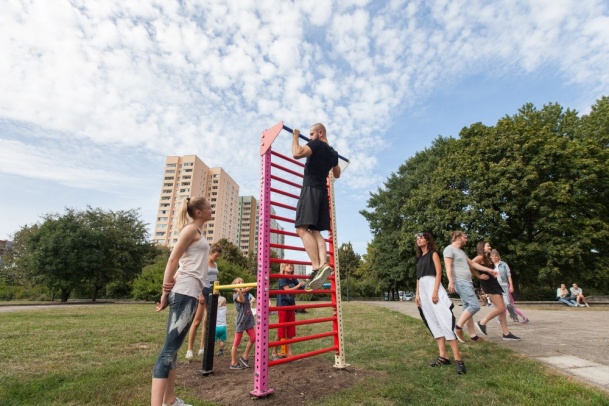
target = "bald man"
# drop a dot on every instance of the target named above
(313, 208)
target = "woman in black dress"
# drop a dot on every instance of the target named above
(493, 290)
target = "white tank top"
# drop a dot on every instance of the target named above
(193, 269)
(212, 275)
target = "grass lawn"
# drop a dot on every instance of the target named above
(103, 355)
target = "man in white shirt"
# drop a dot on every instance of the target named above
(578, 295)
(459, 270)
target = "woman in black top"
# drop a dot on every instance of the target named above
(494, 291)
(433, 302)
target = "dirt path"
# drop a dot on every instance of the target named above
(572, 340)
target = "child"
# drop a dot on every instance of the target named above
(221, 325)
(245, 323)
(285, 316)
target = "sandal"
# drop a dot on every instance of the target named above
(439, 362)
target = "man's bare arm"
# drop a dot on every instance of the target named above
(299, 151)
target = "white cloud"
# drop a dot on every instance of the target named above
(208, 77)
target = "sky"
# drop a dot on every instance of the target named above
(95, 95)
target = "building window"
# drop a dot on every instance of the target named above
(170, 171)
(159, 233)
(171, 165)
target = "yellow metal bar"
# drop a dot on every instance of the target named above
(218, 288)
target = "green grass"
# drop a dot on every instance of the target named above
(103, 355)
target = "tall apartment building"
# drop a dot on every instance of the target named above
(188, 176)
(248, 220)
(248, 232)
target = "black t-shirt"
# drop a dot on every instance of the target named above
(286, 299)
(319, 163)
(425, 265)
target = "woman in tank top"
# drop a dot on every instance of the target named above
(493, 290)
(435, 307)
(181, 294)
(204, 302)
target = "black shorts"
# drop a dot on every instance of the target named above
(313, 209)
(490, 286)
(207, 295)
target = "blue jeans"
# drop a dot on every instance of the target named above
(567, 301)
(181, 313)
(469, 300)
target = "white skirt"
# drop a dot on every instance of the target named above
(438, 317)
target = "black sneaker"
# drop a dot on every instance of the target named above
(460, 367)
(438, 362)
(237, 366)
(481, 329)
(244, 362)
(510, 336)
(220, 353)
(319, 278)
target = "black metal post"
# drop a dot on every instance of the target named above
(210, 336)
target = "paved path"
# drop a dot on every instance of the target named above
(572, 340)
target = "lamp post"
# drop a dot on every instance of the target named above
(345, 250)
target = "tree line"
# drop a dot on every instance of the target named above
(96, 253)
(535, 185)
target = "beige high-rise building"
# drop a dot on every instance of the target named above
(249, 212)
(223, 194)
(188, 176)
(248, 219)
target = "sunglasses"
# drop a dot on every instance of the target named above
(420, 235)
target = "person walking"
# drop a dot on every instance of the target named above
(505, 281)
(493, 290)
(313, 208)
(181, 295)
(434, 305)
(459, 270)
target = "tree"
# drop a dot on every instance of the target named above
(148, 285)
(121, 247)
(61, 249)
(18, 259)
(75, 249)
(535, 185)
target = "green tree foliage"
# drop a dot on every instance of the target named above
(147, 286)
(349, 262)
(121, 247)
(18, 259)
(79, 249)
(535, 185)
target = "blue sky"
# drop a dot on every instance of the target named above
(94, 95)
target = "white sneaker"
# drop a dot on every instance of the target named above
(178, 402)
(201, 351)
(189, 355)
